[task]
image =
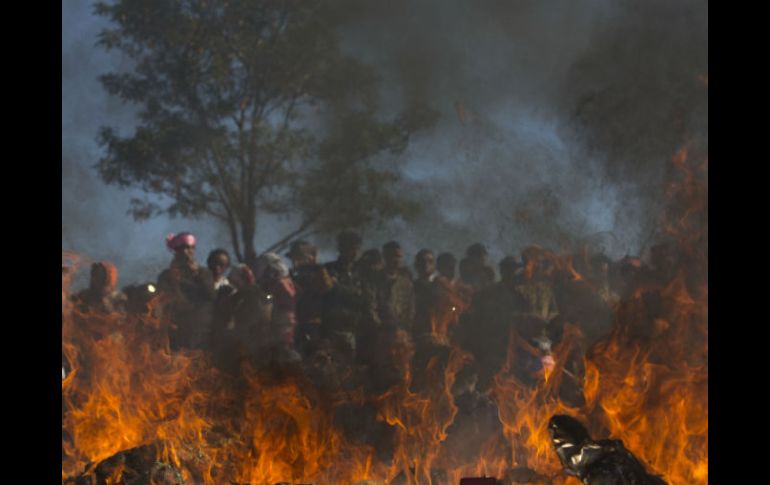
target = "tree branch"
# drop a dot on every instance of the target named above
(296, 233)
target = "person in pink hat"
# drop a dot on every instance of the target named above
(188, 290)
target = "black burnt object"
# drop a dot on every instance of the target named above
(515, 475)
(136, 466)
(480, 481)
(602, 462)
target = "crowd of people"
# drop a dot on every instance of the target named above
(368, 310)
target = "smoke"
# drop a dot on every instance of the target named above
(559, 119)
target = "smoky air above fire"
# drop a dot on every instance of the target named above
(558, 120)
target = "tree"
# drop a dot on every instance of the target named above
(250, 108)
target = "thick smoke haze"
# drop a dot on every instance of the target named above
(558, 122)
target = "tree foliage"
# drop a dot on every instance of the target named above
(250, 108)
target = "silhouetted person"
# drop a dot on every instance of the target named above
(342, 270)
(474, 270)
(497, 313)
(368, 269)
(394, 289)
(273, 278)
(188, 290)
(101, 296)
(390, 359)
(600, 277)
(312, 282)
(584, 301)
(344, 305)
(425, 293)
(369, 265)
(241, 320)
(445, 265)
(453, 298)
(101, 306)
(535, 283)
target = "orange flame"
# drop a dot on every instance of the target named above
(646, 383)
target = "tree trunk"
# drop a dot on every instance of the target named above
(250, 254)
(232, 226)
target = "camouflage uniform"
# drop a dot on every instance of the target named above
(540, 299)
(394, 299)
(344, 307)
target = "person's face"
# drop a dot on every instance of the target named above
(479, 259)
(393, 258)
(372, 263)
(349, 252)
(218, 265)
(425, 265)
(186, 254)
(508, 275)
(303, 259)
(447, 269)
(378, 265)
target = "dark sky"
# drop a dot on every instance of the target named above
(558, 119)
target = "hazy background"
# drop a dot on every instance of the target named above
(558, 122)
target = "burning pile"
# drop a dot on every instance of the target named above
(134, 411)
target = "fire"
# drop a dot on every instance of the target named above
(646, 384)
(422, 419)
(655, 397)
(650, 388)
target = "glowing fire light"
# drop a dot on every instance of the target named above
(647, 384)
